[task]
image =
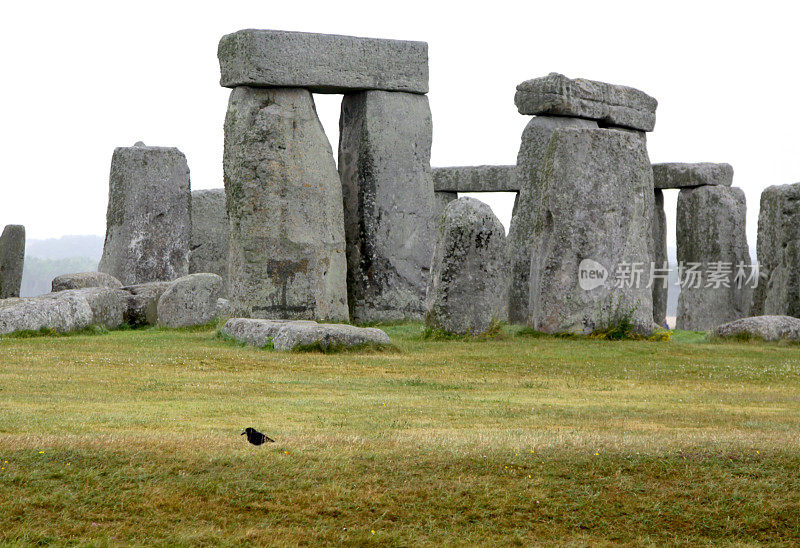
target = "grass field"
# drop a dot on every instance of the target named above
(132, 438)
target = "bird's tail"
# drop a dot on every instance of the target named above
(267, 438)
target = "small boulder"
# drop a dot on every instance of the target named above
(468, 286)
(143, 303)
(83, 280)
(768, 328)
(190, 300)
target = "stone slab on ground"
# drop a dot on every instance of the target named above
(258, 332)
(12, 260)
(143, 303)
(475, 179)
(82, 280)
(322, 63)
(190, 300)
(287, 335)
(610, 104)
(683, 175)
(768, 328)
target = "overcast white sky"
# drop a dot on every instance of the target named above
(80, 78)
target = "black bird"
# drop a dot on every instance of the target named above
(255, 437)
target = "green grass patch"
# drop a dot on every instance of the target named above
(132, 438)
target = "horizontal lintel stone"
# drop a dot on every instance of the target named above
(682, 175)
(475, 179)
(322, 63)
(612, 105)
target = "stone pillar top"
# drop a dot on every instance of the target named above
(322, 63)
(610, 104)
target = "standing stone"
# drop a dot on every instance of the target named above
(594, 210)
(389, 207)
(287, 245)
(148, 220)
(12, 260)
(468, 285)
(209, 239)
(778, 289)
(535, 139)
(613, 105)
(660, 285)
(711, 234)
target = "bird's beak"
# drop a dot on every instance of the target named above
(243, 433)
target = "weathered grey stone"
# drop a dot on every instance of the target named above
(711, 230)
(778, 289)
(534, 143)
(148, 220)
(64, 311)
(768, 328)
(475, 179)
(468, 289)
(108, 304)
(442, 199)
(56, 311)
(190, 300)
(389, 207)
(257, 332)
(83, 280)
(12, 259)
(223, 308)
(327, 336)
(143, 303)
(594, 203)
(322, 63)
(287, 248)
(660, 283)
(610, 104)
(677, 175)
(209, 240)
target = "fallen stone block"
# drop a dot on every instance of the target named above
(322, 63)
(257, 332)
(610, 104)
(54, 311)
(468, 289)
(190, 300)
(294, 335)
(768, 328)
(678, 175)
(83, 280)
(475, 179)
(143, 303)
(12, 259)
(148, 222)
